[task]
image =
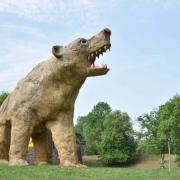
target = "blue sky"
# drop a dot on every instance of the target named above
(144, 59)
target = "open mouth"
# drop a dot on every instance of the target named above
(96, 54)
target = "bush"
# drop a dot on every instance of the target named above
(117, 141)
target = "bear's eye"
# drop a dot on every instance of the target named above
(83, 41)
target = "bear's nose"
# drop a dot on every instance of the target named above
(107, 31)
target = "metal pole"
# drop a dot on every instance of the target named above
(169, 151)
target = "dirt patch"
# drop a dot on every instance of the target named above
(92, 161)
(145, 162)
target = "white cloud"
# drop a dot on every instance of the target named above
(22, 29)
(82, 13)
(18, 60)
(33, 9)
(44, 10)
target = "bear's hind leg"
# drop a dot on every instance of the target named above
(5, 133)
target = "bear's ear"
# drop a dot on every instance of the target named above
(57, 51)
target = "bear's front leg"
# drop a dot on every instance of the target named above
(64, 139)
(20, 135)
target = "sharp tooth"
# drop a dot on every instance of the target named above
(92, 54)
(88, 57)
(100, 50)
(105, 47)
(97, 53)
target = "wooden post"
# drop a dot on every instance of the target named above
(169, 152)
(162, 162)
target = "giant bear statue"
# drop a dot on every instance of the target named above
(44, 100)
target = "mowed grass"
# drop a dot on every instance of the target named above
(55, 172)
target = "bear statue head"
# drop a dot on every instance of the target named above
(79, 56)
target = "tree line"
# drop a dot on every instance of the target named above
(110, 135)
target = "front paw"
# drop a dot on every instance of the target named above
(18, 162)
(42, 163)
(3, 161)
(70, 164)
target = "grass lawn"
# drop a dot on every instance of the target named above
(55, 172)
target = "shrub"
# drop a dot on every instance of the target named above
(117, 141)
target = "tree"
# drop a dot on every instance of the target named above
(148, 125)
(150, 142)
(161, 127)
(90, 127)
(169, 123)
(79, 129)
(117, 141)
(3, 96)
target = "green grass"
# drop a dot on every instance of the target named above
(55, 172)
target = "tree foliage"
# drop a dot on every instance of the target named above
(161, 126)
(169, 123)
(149, 140)
(3, 96)
(79, 129)
(117, 140)
(89, 128)
(148, 124)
